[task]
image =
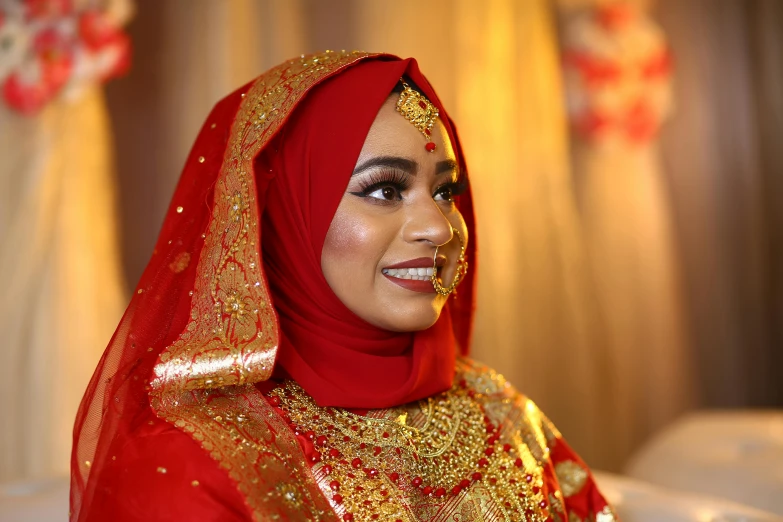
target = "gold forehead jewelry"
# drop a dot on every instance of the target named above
(418, 110)
(462, 269)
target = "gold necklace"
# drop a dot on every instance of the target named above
(372, 463)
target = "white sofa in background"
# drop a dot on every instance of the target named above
(734, 455)
(637, 501)
(34, 501)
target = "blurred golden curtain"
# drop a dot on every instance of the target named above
(61, 294)
(723, 164)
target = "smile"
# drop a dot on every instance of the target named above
(416, 274)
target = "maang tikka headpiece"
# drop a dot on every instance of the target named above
(418, 110)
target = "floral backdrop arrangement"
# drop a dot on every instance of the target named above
(52, 48)
(617, 69)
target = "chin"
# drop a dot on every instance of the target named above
(414, 319)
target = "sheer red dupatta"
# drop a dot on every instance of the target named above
(202, 327)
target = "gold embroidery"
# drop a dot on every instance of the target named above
(232, 335)
(180, 262)
(231, 338)
(237, 427)
(448, 453)
(571, 476)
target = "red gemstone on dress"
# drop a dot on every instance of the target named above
(542, 504)
(506, 447)
(476, 476)
(274, 400)
(488, 452)
(428, 133)
(518, 463)
(427, 490)
(327, 469)
(455, 490)
(334, 485)
(394, 476)
(321, 440)
(528, 477)
(483, 462)
(422, 104)
(416, 481)
(310, 435)
(430, 146)
(334, 453)
(316, 457)
(373, 473)
(440, 492)
(338, 499)
(356, 463)
(464, 483)
(377, 450)
(385, 435)
(536, 489)
(348, 517)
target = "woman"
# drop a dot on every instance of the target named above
(291, 353)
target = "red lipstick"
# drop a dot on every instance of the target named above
(416, 285)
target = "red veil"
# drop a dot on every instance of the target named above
(173, 395)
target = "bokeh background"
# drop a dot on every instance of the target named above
(626, 161)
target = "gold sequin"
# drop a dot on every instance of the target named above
(179, 210)
(571, 476)
(201, 159)
(140, 291)
(194, 483)
(213, 126)
(161, 470)
(180, 262)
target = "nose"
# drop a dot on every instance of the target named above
(427, 223)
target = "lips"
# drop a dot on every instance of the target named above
(414, 274)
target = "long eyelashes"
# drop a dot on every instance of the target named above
(453, 188)
(383, 178)
(393, 183)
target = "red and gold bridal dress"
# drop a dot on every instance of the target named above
(184, 418)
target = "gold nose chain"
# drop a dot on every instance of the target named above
(462, 269)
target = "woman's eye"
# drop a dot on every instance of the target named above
(387, 193)
(444, 194)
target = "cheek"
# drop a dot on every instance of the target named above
(353, 241)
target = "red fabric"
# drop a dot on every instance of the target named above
(113, 418)
(337, 357)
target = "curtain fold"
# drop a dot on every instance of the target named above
(62, 291)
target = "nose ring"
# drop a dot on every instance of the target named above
(462, 269)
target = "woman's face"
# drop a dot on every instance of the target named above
(398, 207)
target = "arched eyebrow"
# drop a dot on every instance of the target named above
(404, 164)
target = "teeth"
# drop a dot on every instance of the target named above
(418, 274)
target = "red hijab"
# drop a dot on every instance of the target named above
(340, 359)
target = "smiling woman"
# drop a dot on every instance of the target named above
(295, 349)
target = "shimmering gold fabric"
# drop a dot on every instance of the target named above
(365, 466)
(232, 335)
